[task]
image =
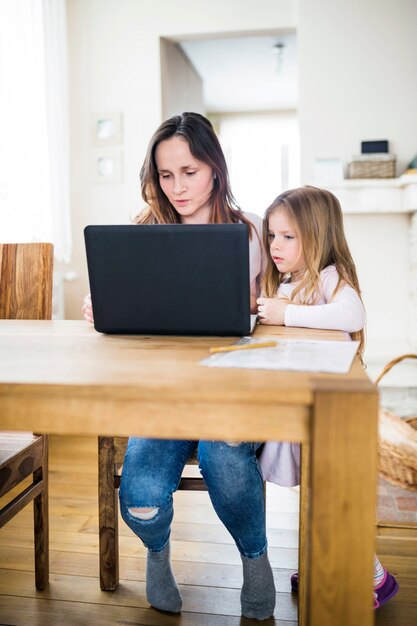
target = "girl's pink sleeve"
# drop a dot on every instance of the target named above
(346, 311)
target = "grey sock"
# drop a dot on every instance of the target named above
(258, 591)
(161, 588)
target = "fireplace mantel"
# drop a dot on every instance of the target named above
(378, 195)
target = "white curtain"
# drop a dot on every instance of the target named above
(34, 152)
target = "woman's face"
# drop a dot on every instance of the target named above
(186, 182)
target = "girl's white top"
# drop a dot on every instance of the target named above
(280, 461)
(345, 312)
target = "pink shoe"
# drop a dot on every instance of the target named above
(386, 590)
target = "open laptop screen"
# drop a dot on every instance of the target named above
(177, 279)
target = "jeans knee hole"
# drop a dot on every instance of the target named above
(143, 513)
(233, 444)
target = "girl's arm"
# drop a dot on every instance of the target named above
(346, 311)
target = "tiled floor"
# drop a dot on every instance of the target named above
(396, 505)
(398, 393)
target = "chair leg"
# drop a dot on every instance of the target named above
(108, 516)
(41, 522)
(303, 536)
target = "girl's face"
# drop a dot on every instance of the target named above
(284, 244)
(186, 182)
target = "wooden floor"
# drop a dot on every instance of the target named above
(205, 559)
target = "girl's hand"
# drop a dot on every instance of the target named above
(272, 310)
(87, 309)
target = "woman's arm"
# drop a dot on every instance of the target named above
(87, 309)
(256, 260)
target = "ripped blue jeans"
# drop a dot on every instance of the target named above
(152, 471)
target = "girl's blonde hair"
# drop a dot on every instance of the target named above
(317, 217)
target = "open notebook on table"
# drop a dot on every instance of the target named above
(300, 355)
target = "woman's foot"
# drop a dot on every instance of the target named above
(161, 587)
(258, 591)
(386, 589)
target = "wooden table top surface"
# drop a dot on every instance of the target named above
(72, 353)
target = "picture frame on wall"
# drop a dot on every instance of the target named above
(107, 165)
(327, 172)
(107, 140)
(107, 129)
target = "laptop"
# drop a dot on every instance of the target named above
(170, 279)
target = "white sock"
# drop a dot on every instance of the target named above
(378, 572)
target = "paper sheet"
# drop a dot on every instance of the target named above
(333, 357)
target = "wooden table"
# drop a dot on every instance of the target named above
(63, 378)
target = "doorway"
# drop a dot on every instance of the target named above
(248, 87)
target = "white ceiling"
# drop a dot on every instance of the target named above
(246, 73)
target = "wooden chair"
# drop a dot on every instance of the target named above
(111, 452)
(26, 293)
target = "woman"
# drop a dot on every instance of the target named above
(184, 180)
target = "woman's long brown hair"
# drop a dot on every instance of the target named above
(317, 217)
(204, 146)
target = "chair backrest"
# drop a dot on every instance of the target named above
(26, 281)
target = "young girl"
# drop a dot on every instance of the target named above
(310, 281)
(184, 179)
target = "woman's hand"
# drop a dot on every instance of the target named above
(87, 309)
(253, 305)
(272, 310)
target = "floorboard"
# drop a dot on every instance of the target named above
(205, 560)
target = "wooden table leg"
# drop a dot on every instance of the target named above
(342, 506)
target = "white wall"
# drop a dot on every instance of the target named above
(379, 246)
(114, 56)
(181, 85)
(357, 72)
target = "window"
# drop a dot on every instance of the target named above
(262, 153)
(34, 160)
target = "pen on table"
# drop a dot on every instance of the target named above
(244, 346)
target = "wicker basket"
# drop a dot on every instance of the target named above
(372, 169)
(397, 442)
